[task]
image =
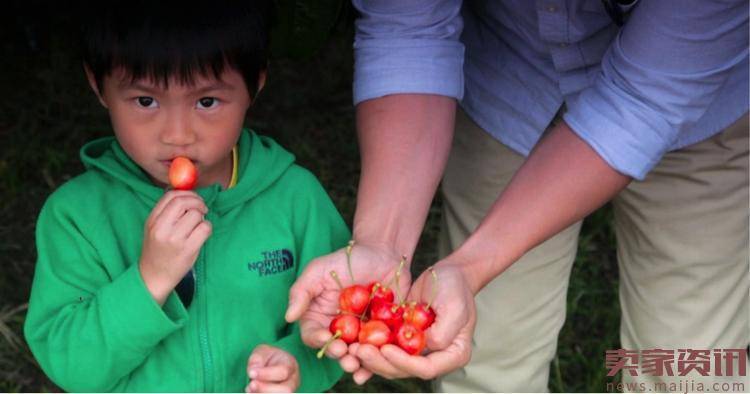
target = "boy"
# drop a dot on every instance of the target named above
(138, 289)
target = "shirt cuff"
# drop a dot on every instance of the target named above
(628, 138)
(384, 67)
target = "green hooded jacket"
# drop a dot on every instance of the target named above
(93, 325)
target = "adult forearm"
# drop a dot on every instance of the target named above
(404, 142)
(562, 181)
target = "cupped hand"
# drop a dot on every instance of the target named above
(449, 339)
(314, 297)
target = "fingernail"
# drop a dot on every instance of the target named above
(253, 374)
(289, 308)
(253, 386)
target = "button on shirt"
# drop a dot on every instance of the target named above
(675, 74)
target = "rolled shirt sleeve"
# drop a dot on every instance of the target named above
(658, 78)
(408, 47)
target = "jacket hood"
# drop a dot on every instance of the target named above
(261, 163)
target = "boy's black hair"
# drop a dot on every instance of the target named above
(159, 40)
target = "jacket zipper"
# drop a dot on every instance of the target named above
(200, 281)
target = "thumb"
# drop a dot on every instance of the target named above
(300, 295)
(259, 358)
(448, 324)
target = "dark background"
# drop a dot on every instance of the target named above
(47, 113)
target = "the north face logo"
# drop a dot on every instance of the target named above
(274, 262)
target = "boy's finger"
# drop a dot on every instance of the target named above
(200, 234)
(187, 223)
(165, 199)
(258, 358)
(257, 386)
(273, 373)
(177, 207)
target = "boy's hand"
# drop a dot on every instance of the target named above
(173, 235)
(272, 370)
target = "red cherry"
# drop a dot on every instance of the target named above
(381, 293)
(182, 174)
(419, 315)
(348, 327)
(376, 333)
(410, 339)
(354, 299)
(387, 312)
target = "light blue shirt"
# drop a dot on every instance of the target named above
(675, 74)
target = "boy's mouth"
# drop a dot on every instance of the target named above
(167, 163)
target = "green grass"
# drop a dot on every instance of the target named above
(47, 113)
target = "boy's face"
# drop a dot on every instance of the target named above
(201, 122)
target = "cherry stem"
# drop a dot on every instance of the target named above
(434, 286)
(369, 301)
(335, 277)
(349, 248)
(397, 277)
(401, 265)
(330, 340)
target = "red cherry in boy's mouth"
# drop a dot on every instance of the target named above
(182, 174)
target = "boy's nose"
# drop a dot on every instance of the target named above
(177, 130)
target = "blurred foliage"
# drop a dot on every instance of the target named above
(47, 113)
(303, 27)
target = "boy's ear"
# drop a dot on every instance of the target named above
(261, 82)
(92, 83)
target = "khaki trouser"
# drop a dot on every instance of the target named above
(682, 238)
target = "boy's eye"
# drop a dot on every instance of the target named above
(146, 102)
(207, 102)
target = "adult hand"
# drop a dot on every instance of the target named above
(314, 297)
(448, 339)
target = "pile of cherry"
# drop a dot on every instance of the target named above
(371, 315)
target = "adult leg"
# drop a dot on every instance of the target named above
(683, 256)
(520, 313)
